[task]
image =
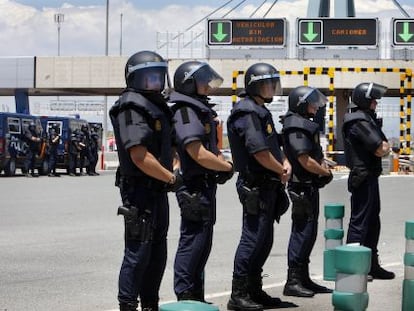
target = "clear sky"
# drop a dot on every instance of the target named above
(29, 28)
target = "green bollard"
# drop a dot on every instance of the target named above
(334, 213)
(352, 264)
(408, 283)
(188, 305)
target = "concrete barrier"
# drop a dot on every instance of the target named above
(188, 305)
(408, 283)
(334, 233)
(352, 264)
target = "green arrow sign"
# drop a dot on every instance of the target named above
(406, 35)
(220, 35)
(220, 32)
(310, 35)
(310, 31)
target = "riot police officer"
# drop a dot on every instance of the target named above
(85, 155)
(94, 148)
(202, 167)
(144, 135)
(53, 142)
(263, 170)
(365, 144)
(74, 150)
(309, 173)
(33, 140)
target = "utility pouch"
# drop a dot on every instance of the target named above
(192, 207)
(301, 206)
(251, 201)
(357, 177)
(282, 203)
(138, 227)
(141, 229)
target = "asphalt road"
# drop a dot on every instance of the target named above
(61, 244)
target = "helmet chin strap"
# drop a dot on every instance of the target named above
(266, 99)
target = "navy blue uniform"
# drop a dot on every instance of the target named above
(54, 139)
(94, 147)
(31, 137)
(301, 136)
(194, 121)
(138, 120)
(362, 137)
(250, 130)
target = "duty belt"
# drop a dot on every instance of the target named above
(263, 180)
(200, 180)
(144, 181)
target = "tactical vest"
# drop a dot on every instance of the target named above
(206, 115)
(158, 120)
(355, 153)
(291, 123)
(243, 161)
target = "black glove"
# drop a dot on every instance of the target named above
(177, 183)
(322, 181)
(222, 177)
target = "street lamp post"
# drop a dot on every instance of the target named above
(59, 18)
(120, 39)
(105, 115)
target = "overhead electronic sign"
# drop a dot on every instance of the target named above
(403, 31)
(254, 32)
(338, 31)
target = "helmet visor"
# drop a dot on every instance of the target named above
(154, 79)
(375, 91)
(314, 98)
(269, 82)
(131, 69)
(205, 75)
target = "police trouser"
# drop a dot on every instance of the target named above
(257, 232)
(197, 201)
(52, 160)
(144, 261)
(305, 213)
(29, 162)
(73, 157)
(85, 154)
(364, 224)
(94, 160)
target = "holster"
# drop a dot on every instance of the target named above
(192, 207)
(301, 205)
(138, 225)
(251, 200)
(356, 177)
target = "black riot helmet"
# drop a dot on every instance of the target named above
(258, 76)
(32, 126)
(303, 96)
(191, 75)
(146, 72)
(84, 128)
(364, 93)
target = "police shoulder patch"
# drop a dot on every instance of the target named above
(207, 128)
(269, 128)
(157, 125)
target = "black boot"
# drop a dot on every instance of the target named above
(187, 295)
(240, 299)
(128, 306)
(257, 294)
(294, 286)
(377, 272)
(309, 284)
(149, 306)
(199, 294)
